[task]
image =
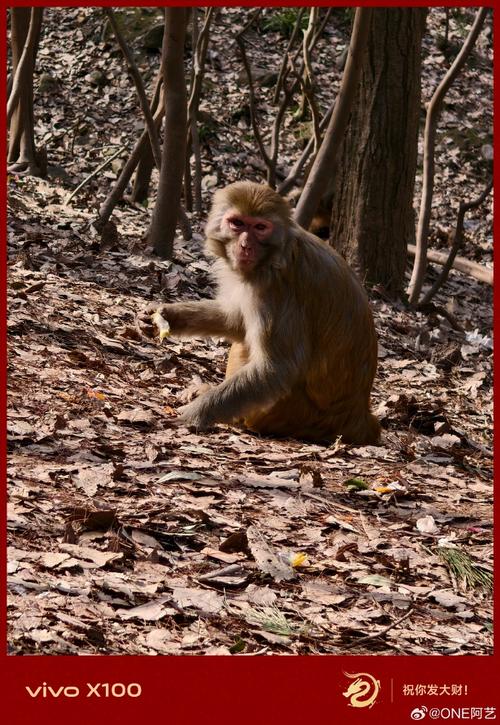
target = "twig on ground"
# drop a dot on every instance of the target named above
(94, 173)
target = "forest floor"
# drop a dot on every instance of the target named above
(130, 535)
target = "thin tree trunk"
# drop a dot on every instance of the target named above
(146, 163)
(166, 211)
(327, 157)
(139, 86)
(432, 119)
(25, 34)
(199, 58)
(117, 191)
(25, 64)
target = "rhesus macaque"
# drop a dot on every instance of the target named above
(320, 224)
(304, 350)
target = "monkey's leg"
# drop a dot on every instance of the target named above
(238, 356)
(297, 416)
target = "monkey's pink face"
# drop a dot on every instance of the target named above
(249, 235)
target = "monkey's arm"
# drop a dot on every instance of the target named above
(195, 319)
(255, 386)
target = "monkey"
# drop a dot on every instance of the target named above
(303, 350)
(320, 223)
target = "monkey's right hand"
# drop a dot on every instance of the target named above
(145, 323)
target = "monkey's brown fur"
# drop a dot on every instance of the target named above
(304, 350)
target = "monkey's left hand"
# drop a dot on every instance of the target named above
(193, 391)
(196, 414)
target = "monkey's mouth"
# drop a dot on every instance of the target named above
(247, 256)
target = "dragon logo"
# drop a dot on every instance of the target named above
(363, 691)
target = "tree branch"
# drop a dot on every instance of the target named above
(296, 169)
(255, 126)
(457, 241)
(94, 173)
(327, 157)
(432, 118)
(284, 63)
(139, 86)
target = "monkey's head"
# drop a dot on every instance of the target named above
(248, 226)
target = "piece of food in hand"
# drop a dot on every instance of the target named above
(162, 325)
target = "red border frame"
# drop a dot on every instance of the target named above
(185, 690)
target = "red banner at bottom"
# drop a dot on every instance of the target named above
(289, 690)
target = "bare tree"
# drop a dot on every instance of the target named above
(200, 47)
(458, 236)
(371, 187)
(142, 179)
(166, 211)
(22, 154)
(138, 152)
(324, 164)
(139, 86)
(284, 92)
(433, 114)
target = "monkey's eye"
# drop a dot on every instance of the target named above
(261, 227)
(236, 223)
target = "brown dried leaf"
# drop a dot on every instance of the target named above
(267, 558)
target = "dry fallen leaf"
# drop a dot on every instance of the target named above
(149, 612)
(427, 525)
(267, 559)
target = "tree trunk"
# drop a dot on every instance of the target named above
(146, 164)
(373, 220)
(166, 211)
(324, 167)
(142, 178)
(431, 123)
(25, 34)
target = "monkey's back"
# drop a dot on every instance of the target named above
(335, 332)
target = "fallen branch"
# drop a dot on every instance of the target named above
(384, 631)
(482, 274)
(94, 173)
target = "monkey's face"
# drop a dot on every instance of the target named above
(249, 240)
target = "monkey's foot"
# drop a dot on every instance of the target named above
(193, 391)
(196, 415)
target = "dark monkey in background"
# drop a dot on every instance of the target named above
(304, 350)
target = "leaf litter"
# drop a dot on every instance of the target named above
(131, 535)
